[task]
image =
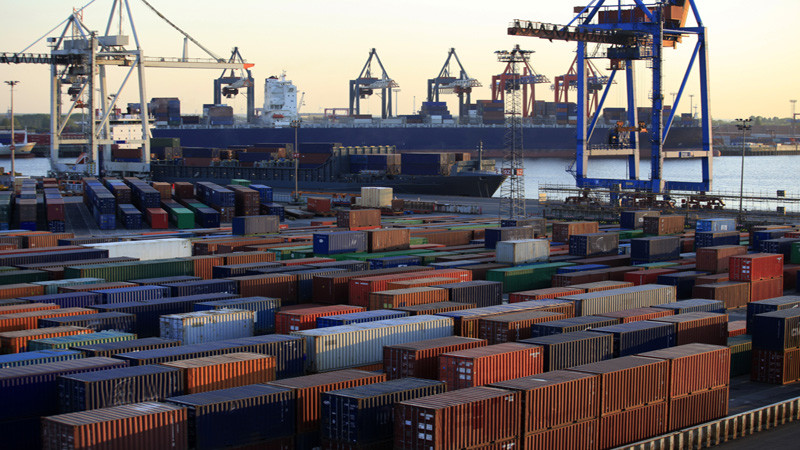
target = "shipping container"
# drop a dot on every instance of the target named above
(563, 230)
(637, 337)
(420, 359)
(187, 288)
(662, 225)
(698, 408)
(632, 425)
(109, 349)
(29, 320)
(683, 282)
(565, 350)
(207, 326)
(96, 322)
(766, 289)
(434, 308)
(406, 297)
(541, 294)
(51, 287)
(484, 365)
(756, 267)
(38, 357)
(224, 371)
(777, 330)
(481, 292)
(741, 348)
(522, 278)
(358, 317)
(263, 307)
(655, 249)
(732, 293)
(17, 341)
(359, 219)
(637, 314)
(495, 235)
(522, 251)
(299, 318)
(571, 325)
(695, 368)
(388, 239)
(770, 305)
(514, 326)
(775, 366)
(594, 244)
(76, 340)
(635, 219)
(715, 259)
(360, 288)
(467, 322)
(282, 286)
(647, 276)
(620, 299)
(598, 286)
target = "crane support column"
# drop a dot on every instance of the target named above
(705, 112)
(657, 149)
(582, 156)
(633, 120)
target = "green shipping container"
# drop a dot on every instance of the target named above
(741, 354)
(657, 265)
(795, 255)
(302, 253)
(524, 278)
(630, 234)
(154, 268)
(182, 218)
(51, 287)
(77, 340)
(240, 182)
(23, 276)
(363, 256)
(418, 241)
(286, 252)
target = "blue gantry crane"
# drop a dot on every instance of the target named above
(631, 31)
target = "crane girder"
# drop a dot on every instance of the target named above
(569, 33)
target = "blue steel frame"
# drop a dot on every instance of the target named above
(659, 130)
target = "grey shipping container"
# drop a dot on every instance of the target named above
(623, 298)
(482, 293)
(566, 350)
(571, 325)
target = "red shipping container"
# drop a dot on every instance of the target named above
(698, 327)
(456, 420)
(137, 426)
(157, 218)
(776, 367)
(282, 286)
(55, 208)
(17, 341)
(633, 425)
(737, 328)
(30, 320)
(309, 388)
(420, 359)
(629, 382)
(764, 289)
(541, 294)
(637, 314)
(423, 282)
(578, 436)
(212, 373)
(21, 290)
(407, 297)
(25, 307)
(490, 364)
(756, 267)
(698, 408)
(318, 204)
(694, 368)
(647, 276)
(300, 318)
(555, 399)
(514, 326)
(360, 288)
(716, 259)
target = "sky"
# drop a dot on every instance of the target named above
(321, 45)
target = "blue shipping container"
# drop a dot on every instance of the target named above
(264, 307)
(132, 293)
(339, 242)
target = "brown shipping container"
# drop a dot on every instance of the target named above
(128, 427)
(598, 286)
(388, 239)
(563, 230)
(456, 420)
(611, 261)
(733, 293)
(247, 257)
(776, 367)
(407, 297)
(421, 359)
(358, 218)
(711, 279)
(335, 288)
(304, 317)
(637, 314)
(647, 276)
(633, 425)
(308, 389)
(715, 259)
(764, 289)
(554, 399)
(698, 327)
(46, 240)
(225, 371)
(165, 189)
(204, 265)
(21, 290)
(30, 320)
(490, 364)
(479, 270)
(578, 436)
(423, 282)
(513, 327)
(17, 341)
(694, 368)
(183, 190)
(446, 237)
(790, 276)
(435, 308)
(542, 294)
(361, 287)
(662, 225)
(629, 382)
(25, 307)
(698, 408)
(282, 286)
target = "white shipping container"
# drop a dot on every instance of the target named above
(147, 250)
(523, 251)
(344, 346)
(376, 197)
(207, 326)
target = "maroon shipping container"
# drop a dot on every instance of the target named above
(733, 293)
(716, 259)
(554, 399)
(647, 276)
(335, 288)
(699, 327)
(577, 279)
(479, 270)
(637, 314)
(629, 382)
(578, 436)
(563, 230)
(632, 425)
(359, 218)
(305, 318)
(490, 364)
(695, 368)
(309, 388)
(183, 190)
(663, 225)
(282, 286)
(776, 367)
(318, 204)
(157, 218)
(420, 359)
(514, 326)
(790, 276)
(611, 261)
(128, 427)
(698, 408)
(764, 289)
(711, 279)
(406, 297)
(542, 294)
(456, 420)
(388, 239)
(756, 267)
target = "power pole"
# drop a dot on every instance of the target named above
(512, 197)
(743, 126)
(12, 145)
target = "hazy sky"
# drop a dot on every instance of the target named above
(753, 53)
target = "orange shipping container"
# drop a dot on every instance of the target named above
(485, 365)
(388, 239)
(225, 371)
(407, 297)
(632, 425)
(698, 327)
(423, 282)
(247, 257)
(17, 341)
(563, 230)
(359, 218)
(514, 326)
(360, 288)
(698, 408)
(30, 320)
(694, 368)
(578, 436)
(308, 389)
(420, 359)
(25, 307)
(204, 265)
(21, 290)
(662, 225)
(305, 318)
(46, 240)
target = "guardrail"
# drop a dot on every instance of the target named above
(726, 429)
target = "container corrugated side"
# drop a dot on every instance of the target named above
(420, 359)
(695, 368)
(633, 425)
(38, 357)
(17, 341)
(109, 349)
(562, 351)
(208, 326)
(224, 371)
(637, 337)
(264, 308)
(79, 339)
(483, 365)
(619, 299)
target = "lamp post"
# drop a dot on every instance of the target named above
(12, 145)
(296, 124)
(743, 126)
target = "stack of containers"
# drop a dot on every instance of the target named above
(494, 235)
(565, 350)
(54, 206)
(181, 217)
(633, 220)
(763, 271)
(513, 327)
(273, 209)
(594, 244)
(715, 259)
(129, 216)
(297, 318)
(217, 197)
(247, 201)
(485, 365)
(25, 205)
(101, 202)
(563, 230)
(776, 346)
(121, 191)
(164, 189)
(224, 371)
(264, 192)
(420, 359)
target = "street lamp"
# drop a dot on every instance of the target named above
(12, 146)
(743, 126)
(296, 124)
